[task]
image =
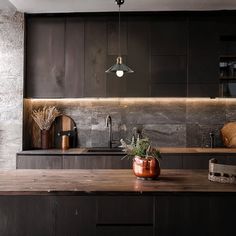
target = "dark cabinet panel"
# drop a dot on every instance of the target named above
(96, 162)
(75, 216)
(203, 90)
(38, 162)
(203, 57)
(113, 37)
(170, 161)
(169, 35)
(200, 161)
(74, 57)
(27, 215)
(168, 69)
(168, 76)
(172, 55)
(195, 215)
(95, 57)
(138, 60)
(45, 57)
(125, 210)
(124, 230)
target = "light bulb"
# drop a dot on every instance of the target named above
(119, 73)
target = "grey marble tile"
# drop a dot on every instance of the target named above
(230, 110)
(199, 135)
(205, 112)
(166, 135)
(156, 113)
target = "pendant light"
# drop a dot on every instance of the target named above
(119, 68)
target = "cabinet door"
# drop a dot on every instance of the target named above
(137, 83)
(74, 57)
(45, 60)
(168, 66)
(195, 215)
(38, 162)
(170, 161)
(200, 161)
(75, 216)
(96, 162)
(95, 57)
(203, 64)
(26, 215)
(128, 216)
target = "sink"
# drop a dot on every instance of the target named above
(104, 150)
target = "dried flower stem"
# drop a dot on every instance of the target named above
(44, 117)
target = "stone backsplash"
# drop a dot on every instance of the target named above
(167, 122)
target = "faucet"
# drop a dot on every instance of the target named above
(212, 139)
(109, 124)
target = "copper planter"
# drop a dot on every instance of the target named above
(146, 167)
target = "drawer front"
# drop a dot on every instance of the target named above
(125, 210)
(96, 162)
(38, 162)
(124, 231)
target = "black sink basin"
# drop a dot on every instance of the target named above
(104, 150)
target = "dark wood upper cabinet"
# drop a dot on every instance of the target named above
(95, 57)
(45, 57)
(203, 59)
(74, 57)
(172, 54)
(169, 35)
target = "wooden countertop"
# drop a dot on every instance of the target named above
(90, 182)
(164, 150)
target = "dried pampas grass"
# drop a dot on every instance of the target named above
(45, 116)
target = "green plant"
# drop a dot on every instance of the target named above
(140, 147)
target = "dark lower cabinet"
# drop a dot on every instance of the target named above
(27, 216)
(72, 162)
(75, 216)
(134, 230)
(205, 214)
(169, 161)
(201, 161)
(195, 215)
(96, 162)
(125, 215)
(38, 162)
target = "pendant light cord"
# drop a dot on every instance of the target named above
(119, 33)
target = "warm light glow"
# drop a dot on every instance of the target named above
(119, 73)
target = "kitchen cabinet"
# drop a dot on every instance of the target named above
(115, 161)
(171, 161)
(45, 57)
(72, 162)
(203, 63)
(39, 162)
(195, 215)
(201, 160)
(173, 55)
(131, 215)
(27, 215)
(168, 56)
(75, 215)
(96, 162)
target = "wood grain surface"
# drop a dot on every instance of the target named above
(86, 182)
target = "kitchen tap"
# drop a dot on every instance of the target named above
(109, 124)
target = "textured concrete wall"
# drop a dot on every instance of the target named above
(167, 122)
(11, 86)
